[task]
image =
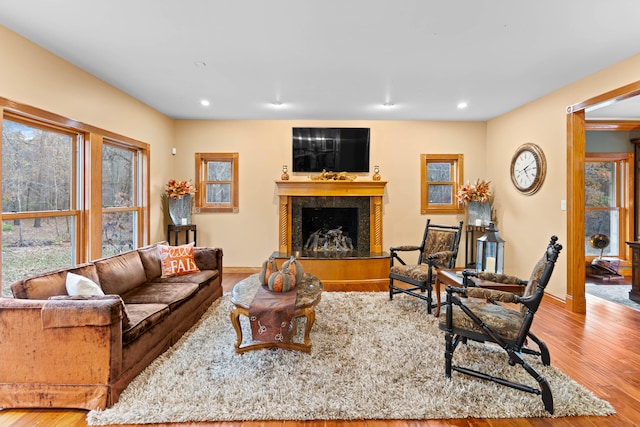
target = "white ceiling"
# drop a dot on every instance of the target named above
(333, 59)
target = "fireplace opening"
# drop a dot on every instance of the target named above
(330, 229)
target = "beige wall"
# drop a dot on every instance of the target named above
(527, 222)
(250, 236)
(33, 76)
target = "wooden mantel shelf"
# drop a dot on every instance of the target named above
(331, 188)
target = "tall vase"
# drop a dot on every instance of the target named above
(479, 214)
(180, 210)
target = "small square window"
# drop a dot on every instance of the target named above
(441, 174)
(217, 182)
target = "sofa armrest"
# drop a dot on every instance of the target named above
(208, 258)
(60, 342)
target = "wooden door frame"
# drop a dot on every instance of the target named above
(577, 125)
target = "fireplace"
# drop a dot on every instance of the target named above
(320, 198)
(348, 214)
(307, 205)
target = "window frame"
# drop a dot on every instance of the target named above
(624, 194)
(201, 170)
(86, 200)
(457, 162)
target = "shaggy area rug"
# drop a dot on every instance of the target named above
(371, 359)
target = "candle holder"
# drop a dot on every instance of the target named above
(490, 251)
(376, 173)
(285, 174)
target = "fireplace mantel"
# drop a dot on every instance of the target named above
(310, 188)
(331, 188)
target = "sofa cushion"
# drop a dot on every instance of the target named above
(199, 278)
(177, 260)
(52, 283)
(125, 313)
(120, 273)
(80, 285)
(143, 317)
(151, 261)
(170, 294)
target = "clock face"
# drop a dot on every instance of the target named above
(528, 168)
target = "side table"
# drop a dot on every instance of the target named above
(177, 229)
(308, 294)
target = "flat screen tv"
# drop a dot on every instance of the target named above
(332, 149)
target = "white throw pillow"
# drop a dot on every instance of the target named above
(80, 285)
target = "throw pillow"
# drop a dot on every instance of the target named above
(80, 285)
(125, 314)
(177, 260)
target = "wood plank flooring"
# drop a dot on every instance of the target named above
(600, 350)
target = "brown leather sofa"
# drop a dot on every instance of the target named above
(77, 353)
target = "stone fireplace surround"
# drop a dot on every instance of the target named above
(302, 208)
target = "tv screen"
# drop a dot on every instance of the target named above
(332, 149)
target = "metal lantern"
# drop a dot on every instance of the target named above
(490, 251)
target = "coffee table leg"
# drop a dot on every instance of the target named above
(310, 314)
(235, 321)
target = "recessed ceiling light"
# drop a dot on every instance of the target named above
(462, 105)
(277, 103)
(200, 64)
(388, 104)
(205, 103)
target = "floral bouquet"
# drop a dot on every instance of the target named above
(478, 192)
(177, 189)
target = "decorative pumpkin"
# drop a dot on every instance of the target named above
(282, 281)
(268, 267)
(295, 266)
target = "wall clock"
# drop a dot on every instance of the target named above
(528, 168)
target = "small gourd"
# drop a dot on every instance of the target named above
(282, 281)
(268, 267)
(295, 266)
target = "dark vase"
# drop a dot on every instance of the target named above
(479, 214)
(180, 210)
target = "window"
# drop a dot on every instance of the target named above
(69, 194)
(607, 194)
(217, 182)
(120, 201)
(440, 177)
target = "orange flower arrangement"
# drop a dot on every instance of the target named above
(478, 192)
(177, 189)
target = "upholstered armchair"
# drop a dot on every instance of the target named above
(438, 249)
(483, 316)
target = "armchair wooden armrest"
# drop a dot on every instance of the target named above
(406, 248)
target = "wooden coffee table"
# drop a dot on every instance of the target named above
(308, 294)
(454, 277)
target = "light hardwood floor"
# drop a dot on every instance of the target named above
(600, 350)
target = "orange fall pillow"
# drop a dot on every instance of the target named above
(177, 260)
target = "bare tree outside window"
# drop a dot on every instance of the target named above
(217, 182)
(39, 216)
(440, 177)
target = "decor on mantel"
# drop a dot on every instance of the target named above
(333, 176)
(477, 198)
(376, 173)
(180, 199)
(285, 173)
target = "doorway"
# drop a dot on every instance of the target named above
(577, 124)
